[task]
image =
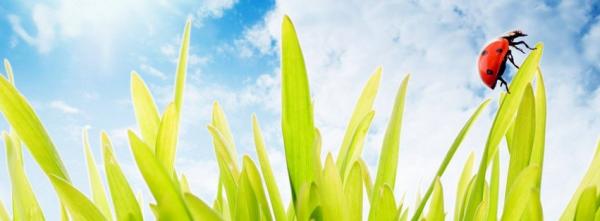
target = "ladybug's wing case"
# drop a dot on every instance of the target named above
(491, 59)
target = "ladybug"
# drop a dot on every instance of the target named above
(492, 60)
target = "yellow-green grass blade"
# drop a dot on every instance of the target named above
(363, 107)
(3, 213)
(463, 184)
(537, 152)
(182, 65)
(25, 204)
(388, 160)
(449, 155)
(586, 205)
(366, 178)
(184, 185)
(522, 142)
(356, 145)
(199, 209)
(502, 121)
(333, 202)
(98, 192)
(481, 213)
(353, 189)
(23, 120)
(219, 121)
(308, 201)
(267, 172)
(246, 208)
(597, 216)
(467, 197)
(169, 200)
(79, 206)
(64, 215)
(297, 112)
(229, 173)
(125, 204)
(494, 188)
(146, 112)
(518, 198)
(534, 209)
(436, 206)
(384, 205)
(257, 187)
(9, 71)
(591, 178)
(166, 142)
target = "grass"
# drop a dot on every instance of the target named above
(331, 190)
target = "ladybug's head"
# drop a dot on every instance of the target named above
(514, 34)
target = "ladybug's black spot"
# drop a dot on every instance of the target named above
(489, 72)
(499, 50)
(483, 53)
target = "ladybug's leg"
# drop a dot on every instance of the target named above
(511, 59)
(503, 82)
(515, 46)
(524, 43)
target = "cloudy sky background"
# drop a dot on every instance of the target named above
(72, 61)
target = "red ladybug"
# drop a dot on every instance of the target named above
(492, 60)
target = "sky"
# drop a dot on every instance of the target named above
(72, 60)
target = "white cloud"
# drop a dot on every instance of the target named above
(64, 107)
(44, 22)
(147, 69)
(212, 9)
(590, 46)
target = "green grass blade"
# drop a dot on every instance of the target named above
(481, 213)
(586, 205)
(184, 185)
(3, 213)
(591, 178)
(534, 209)
(229, 173)
(145, 109)
(522, 142)
(353, 189)
(98, 192)
(597, 216)
(449, 155)
(308, 201)
(80, 207)
(502, 121)
(199, 209)
(22, 118)
(363, 107)
(463, 185)
(384, 205)
(166, 142)
(356, 145)
(257, 187)
(537, 152)
(9, 72)
(125, 204)
(64, 215)
(366, 178)
(297, 112)
(388, 161)
(333, 202)
(267, 172)
(246, 208)
(182, 65)
(219, 121)
(436, 207)
(494, 189)
(170, 201)
(518, 198)
(25, 204)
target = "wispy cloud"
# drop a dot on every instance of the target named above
(147, 69)
(64, 107)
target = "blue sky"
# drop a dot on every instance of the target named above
(73, 62)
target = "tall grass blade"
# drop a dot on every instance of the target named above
(166, 142)
(366, 179)
(436, 207)
(586, 206)
(356, 144)
(333, 202)
(229, 173)
(518, 198)
(522, 143)
(79, 206)
(267, 172)
(22, 118)
(297, 112)
(25, 204)
(388, 160)
(9, 71)
(539, 141)
(246, 208)
(257, 188)
(182, 65)
(308, 202)
(494, 188)
(125, 204)
(219, 121)
(449, 155)
(363, 107)
(145, 109)
(353, 190)
(98, 192)
(463, 185)
(3, 213)
(384, 205)
(166, 193)
(591, 178)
